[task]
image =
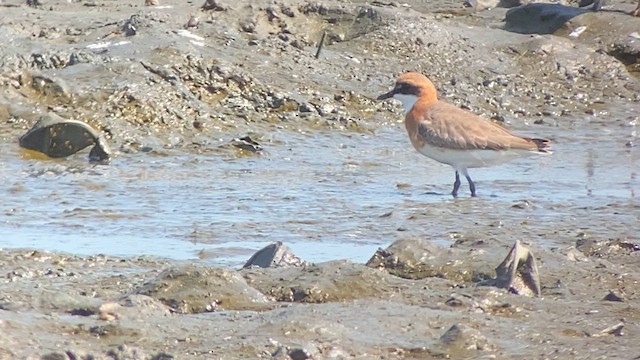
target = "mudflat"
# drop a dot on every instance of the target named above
(230, 133)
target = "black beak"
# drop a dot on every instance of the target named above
(387, 95)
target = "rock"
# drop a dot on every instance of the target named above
(109, 311)
(57, 137)
(597, 5)
(274, 255)
(518, 272)
(419, 258)
(193, 22)
(325, 282)
(602, 248)
(133, 306)
(195, 289)
(522, 204)
(614, 296)
(246, 143)
(490, 4)
(462, 341)
(51, 86)
(67, 302)
(138, 306)
(539, 18)
(54, 356)
(575, 255)
(127, 352)
(215, 5)
(118, 352)
(299, 354)
(615, 330)
(565, 61)
(100, 152)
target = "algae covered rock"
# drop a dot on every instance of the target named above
(331, 281)
(195, 289)
(419, 259)
(57, 137)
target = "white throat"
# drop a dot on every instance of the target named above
(407, 101)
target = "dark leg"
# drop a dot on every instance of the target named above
(472, 186)
(456, 185)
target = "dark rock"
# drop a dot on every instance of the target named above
(34, 2)
(539, 18)
(247, 143)
(614, 296)
(518, 272)
(101, 151)
(54, 356)
(274, 255)
(127, 352)
(299, 354)
(215, 5)
(57, 137)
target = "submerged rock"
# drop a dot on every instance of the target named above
(274, 255)
(57, 137)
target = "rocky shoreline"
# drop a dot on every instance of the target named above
(424, 303)
(151, 82)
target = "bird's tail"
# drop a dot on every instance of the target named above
(543, 145)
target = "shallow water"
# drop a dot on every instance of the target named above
(327, 195)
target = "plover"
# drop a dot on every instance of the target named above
(455, 136)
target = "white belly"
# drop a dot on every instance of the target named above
(463, 159)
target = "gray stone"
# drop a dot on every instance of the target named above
(462, 341)
(274, 255)
(518, 272)
(539, 18)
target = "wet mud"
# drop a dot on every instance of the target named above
(228, 133)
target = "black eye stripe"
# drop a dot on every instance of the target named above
(407, 89)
